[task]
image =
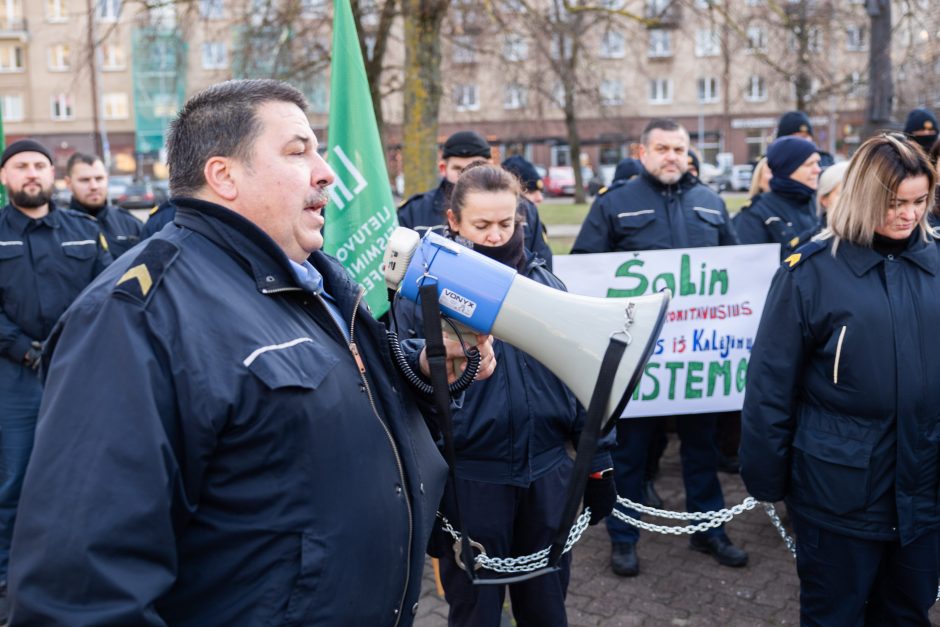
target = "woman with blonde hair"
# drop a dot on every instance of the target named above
(840, 414)
(760, 179)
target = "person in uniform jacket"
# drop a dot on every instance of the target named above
(662, 208)
(427, 211)
(255, 460)
(510, 433)
(159, 217)
(840, 408)
(797, 124)
(47, 256)
(921, 126)
(87, 179)
(785, 215)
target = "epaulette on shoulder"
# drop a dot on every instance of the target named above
(154, 210)
(147, 270)
(410, 198)
(804, 252)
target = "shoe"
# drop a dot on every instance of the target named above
(721, 549)
(650, 496)
(623, 559)
(728, 464)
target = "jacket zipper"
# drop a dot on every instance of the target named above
(401, 472)
(835, 366)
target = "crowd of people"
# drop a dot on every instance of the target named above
(259, 459)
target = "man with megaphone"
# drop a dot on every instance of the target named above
(663, 207)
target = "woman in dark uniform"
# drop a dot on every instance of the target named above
(843, 397)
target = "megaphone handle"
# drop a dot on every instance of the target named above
(467, 335)
(587, 445)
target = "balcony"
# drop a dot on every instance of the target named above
(14, 29)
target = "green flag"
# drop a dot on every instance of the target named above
(361, 214)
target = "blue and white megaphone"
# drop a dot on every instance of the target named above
(567, 333)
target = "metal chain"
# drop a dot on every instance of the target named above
(723, 514)
(778, 524)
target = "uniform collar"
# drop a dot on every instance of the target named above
(20, 221)
(861, 259)
(100, 215)
(253, 248)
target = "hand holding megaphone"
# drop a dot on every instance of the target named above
(567, 333)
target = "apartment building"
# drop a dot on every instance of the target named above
(725, 68)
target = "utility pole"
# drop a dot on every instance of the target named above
(880, 82)
(93, 64)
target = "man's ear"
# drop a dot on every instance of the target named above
(442, 167)
(219, 177)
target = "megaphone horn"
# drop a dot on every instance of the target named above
(567, 333)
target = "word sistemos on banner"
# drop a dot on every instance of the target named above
(701, 357)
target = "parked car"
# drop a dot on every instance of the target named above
(161, 191)
(117, 183)
(138, 195)
(737, 179)
(560, 180)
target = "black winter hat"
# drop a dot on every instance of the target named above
(786, 154)
(525, 172)
(924, 121)
(793, 122)
(466, 144)
(627, 169)
(695, 163)
(24, 145)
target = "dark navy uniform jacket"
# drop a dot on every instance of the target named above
(121, 229)
(427, 211)
(241, 469)
(778, 219)
(44, 265)
(644, 214)
(842, 403)
(159, 218)
(512, 427)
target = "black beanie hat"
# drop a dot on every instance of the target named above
(786, 154)
(794, 122)
(466, 144)
(24, 145)
(695, 163)
(627, 169)
(923, 120)
(524, 171)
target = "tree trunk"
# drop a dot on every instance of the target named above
(422, 92)
(881, 85)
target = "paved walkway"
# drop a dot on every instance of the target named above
(676, 586)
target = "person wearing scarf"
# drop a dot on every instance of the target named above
(787, 213)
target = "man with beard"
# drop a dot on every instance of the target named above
(663, 207)
(47, 256)
(256, 459)
(87, 178)
(427, 211)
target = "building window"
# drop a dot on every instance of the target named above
(756, 90)
(214, 55)
(515, 48)
(855, 40)
(856, 85)
(464, 49)
(317, 8)
(558, 95)
(59, 58)
(465, 98)
(55, 11)
(813, 40)
(211, 9)
(707, 42)
(514, 97)
(707, 90)
(112, 58)
(660, 91)
(656, 8)
(756, 39)
(108, 10)
(561, 48)
(11, 58)
(12, 105)
(115, 106)
(613, 45)
(62, 107)
(660, 43)
(611, 93)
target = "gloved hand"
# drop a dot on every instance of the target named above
(600, 495)
(34, 355)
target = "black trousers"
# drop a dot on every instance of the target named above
(509, 522)
(847, 581)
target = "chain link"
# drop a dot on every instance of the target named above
(778, 524)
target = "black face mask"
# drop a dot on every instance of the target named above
(926, 141)
(511, 254)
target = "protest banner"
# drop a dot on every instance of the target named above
(718, 293)
(361, 214)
